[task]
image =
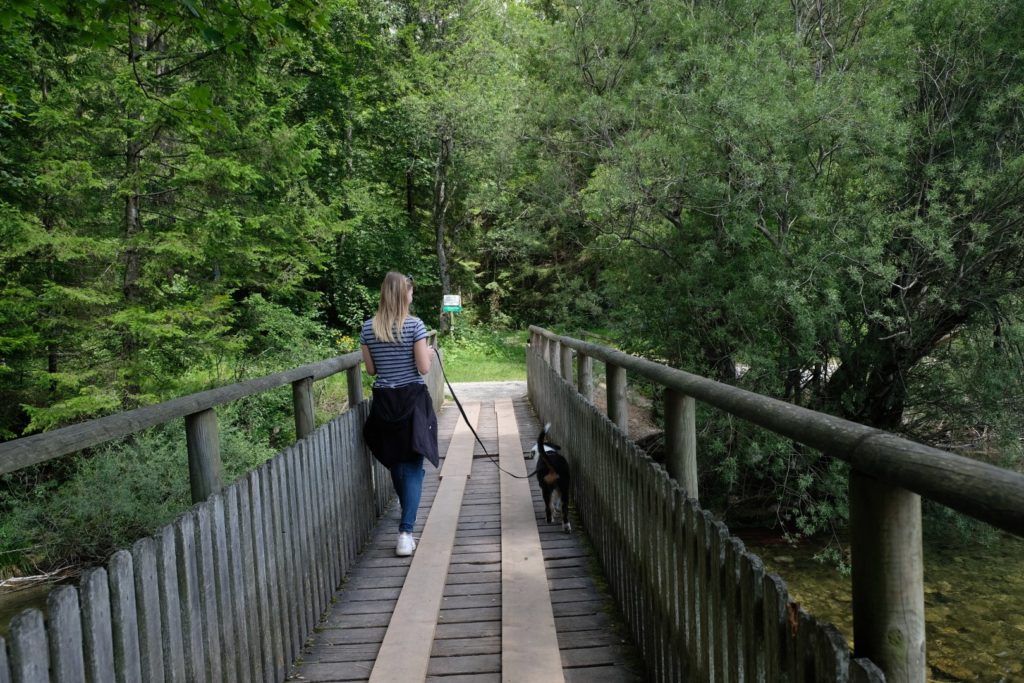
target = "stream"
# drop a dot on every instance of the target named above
(974, 602)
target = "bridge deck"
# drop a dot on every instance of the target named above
(468, 637)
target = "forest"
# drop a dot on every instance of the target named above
(818, 200)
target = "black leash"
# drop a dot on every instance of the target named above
(470, 425)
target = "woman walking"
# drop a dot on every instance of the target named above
(402, 428)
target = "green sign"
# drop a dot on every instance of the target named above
(452, 303)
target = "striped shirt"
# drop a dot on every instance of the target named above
(395, 363)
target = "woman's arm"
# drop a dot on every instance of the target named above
(423, 355)
(368, 360)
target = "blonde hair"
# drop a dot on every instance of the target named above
(393, 308)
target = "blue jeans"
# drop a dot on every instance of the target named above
(407, 478)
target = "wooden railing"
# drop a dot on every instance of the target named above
(231, 589)
(701, 607)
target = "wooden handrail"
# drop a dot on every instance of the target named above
(987, 492)
(32, 450)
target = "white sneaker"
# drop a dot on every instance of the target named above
(406, 544)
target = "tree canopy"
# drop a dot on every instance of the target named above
(820, 201)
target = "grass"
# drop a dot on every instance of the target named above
(480, 355)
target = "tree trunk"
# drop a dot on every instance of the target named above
(130, 289)
(439, 216)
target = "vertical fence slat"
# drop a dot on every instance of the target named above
(64, 633)
(693, 590)
(295, 618)
(170, 606)
(97, 629)
(719, 617)
(751, 595)
(240, 589)
(833, 658)
(5, 666)
(252, 606)
(29, 652)
(207, 587)
(259, 560)
(145, 560)
(225, 599)
(191, 601)
(316, 504)
(269, 538)
(126, 630)
(281, 573)
(863, 670)
(302, 500)
(776, 624)
(734, 635)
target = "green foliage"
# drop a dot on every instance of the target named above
(121, 493)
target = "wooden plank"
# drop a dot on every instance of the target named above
(405, 653)
(529, 645)
(458, 459)
(126, 631)
(97, 629)
(29, 652)
(64, 632)
(170, 606)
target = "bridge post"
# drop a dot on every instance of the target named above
(555, 356)
(355, 385)
(681, 440)
(305, 412)
(204, 466)
(585, 367)
(566, 363)
(888, 578)
(618, 408)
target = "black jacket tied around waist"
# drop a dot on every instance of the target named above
(402, 425)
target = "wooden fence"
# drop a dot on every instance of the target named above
(699, 605)
(232, 588)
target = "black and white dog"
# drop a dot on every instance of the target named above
(553, 477)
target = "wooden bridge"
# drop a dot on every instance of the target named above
(290, 571)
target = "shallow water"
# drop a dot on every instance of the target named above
(974, 603)
(13, 602)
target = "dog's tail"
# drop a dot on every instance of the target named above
(540, 440)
